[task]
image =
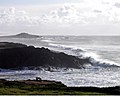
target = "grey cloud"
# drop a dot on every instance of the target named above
(11, 16)
(105, 3)
(67, 14)
(97, 11)
(117, 5)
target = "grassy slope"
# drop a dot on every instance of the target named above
(42, 91)
(20, 88)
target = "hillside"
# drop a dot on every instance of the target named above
(46, 87)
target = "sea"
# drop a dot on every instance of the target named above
(103, 51)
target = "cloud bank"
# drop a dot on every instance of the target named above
(79, 16)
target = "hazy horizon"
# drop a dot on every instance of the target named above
(59, 35)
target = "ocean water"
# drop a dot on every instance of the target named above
(104, 52)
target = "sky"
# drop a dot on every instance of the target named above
(60, 17)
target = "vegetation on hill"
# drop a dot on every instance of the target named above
(45, 87)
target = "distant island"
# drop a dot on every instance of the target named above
(21, 35)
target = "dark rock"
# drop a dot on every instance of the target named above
(38, 79)
(2, 80)
(6, 45)
(17, 57)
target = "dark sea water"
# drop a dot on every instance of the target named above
(104, 52)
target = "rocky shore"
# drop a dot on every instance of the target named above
(14, 55)
(18, 56)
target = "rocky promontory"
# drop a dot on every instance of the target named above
(14, 55)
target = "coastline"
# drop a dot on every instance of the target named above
(43, 87)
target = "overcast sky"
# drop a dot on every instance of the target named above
(60, 17)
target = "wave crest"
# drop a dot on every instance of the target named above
(95, 59)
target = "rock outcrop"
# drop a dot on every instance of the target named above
(25, 56)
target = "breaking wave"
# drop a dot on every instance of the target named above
(95, 59)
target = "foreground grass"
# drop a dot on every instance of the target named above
(14, 91)
(21, 88)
